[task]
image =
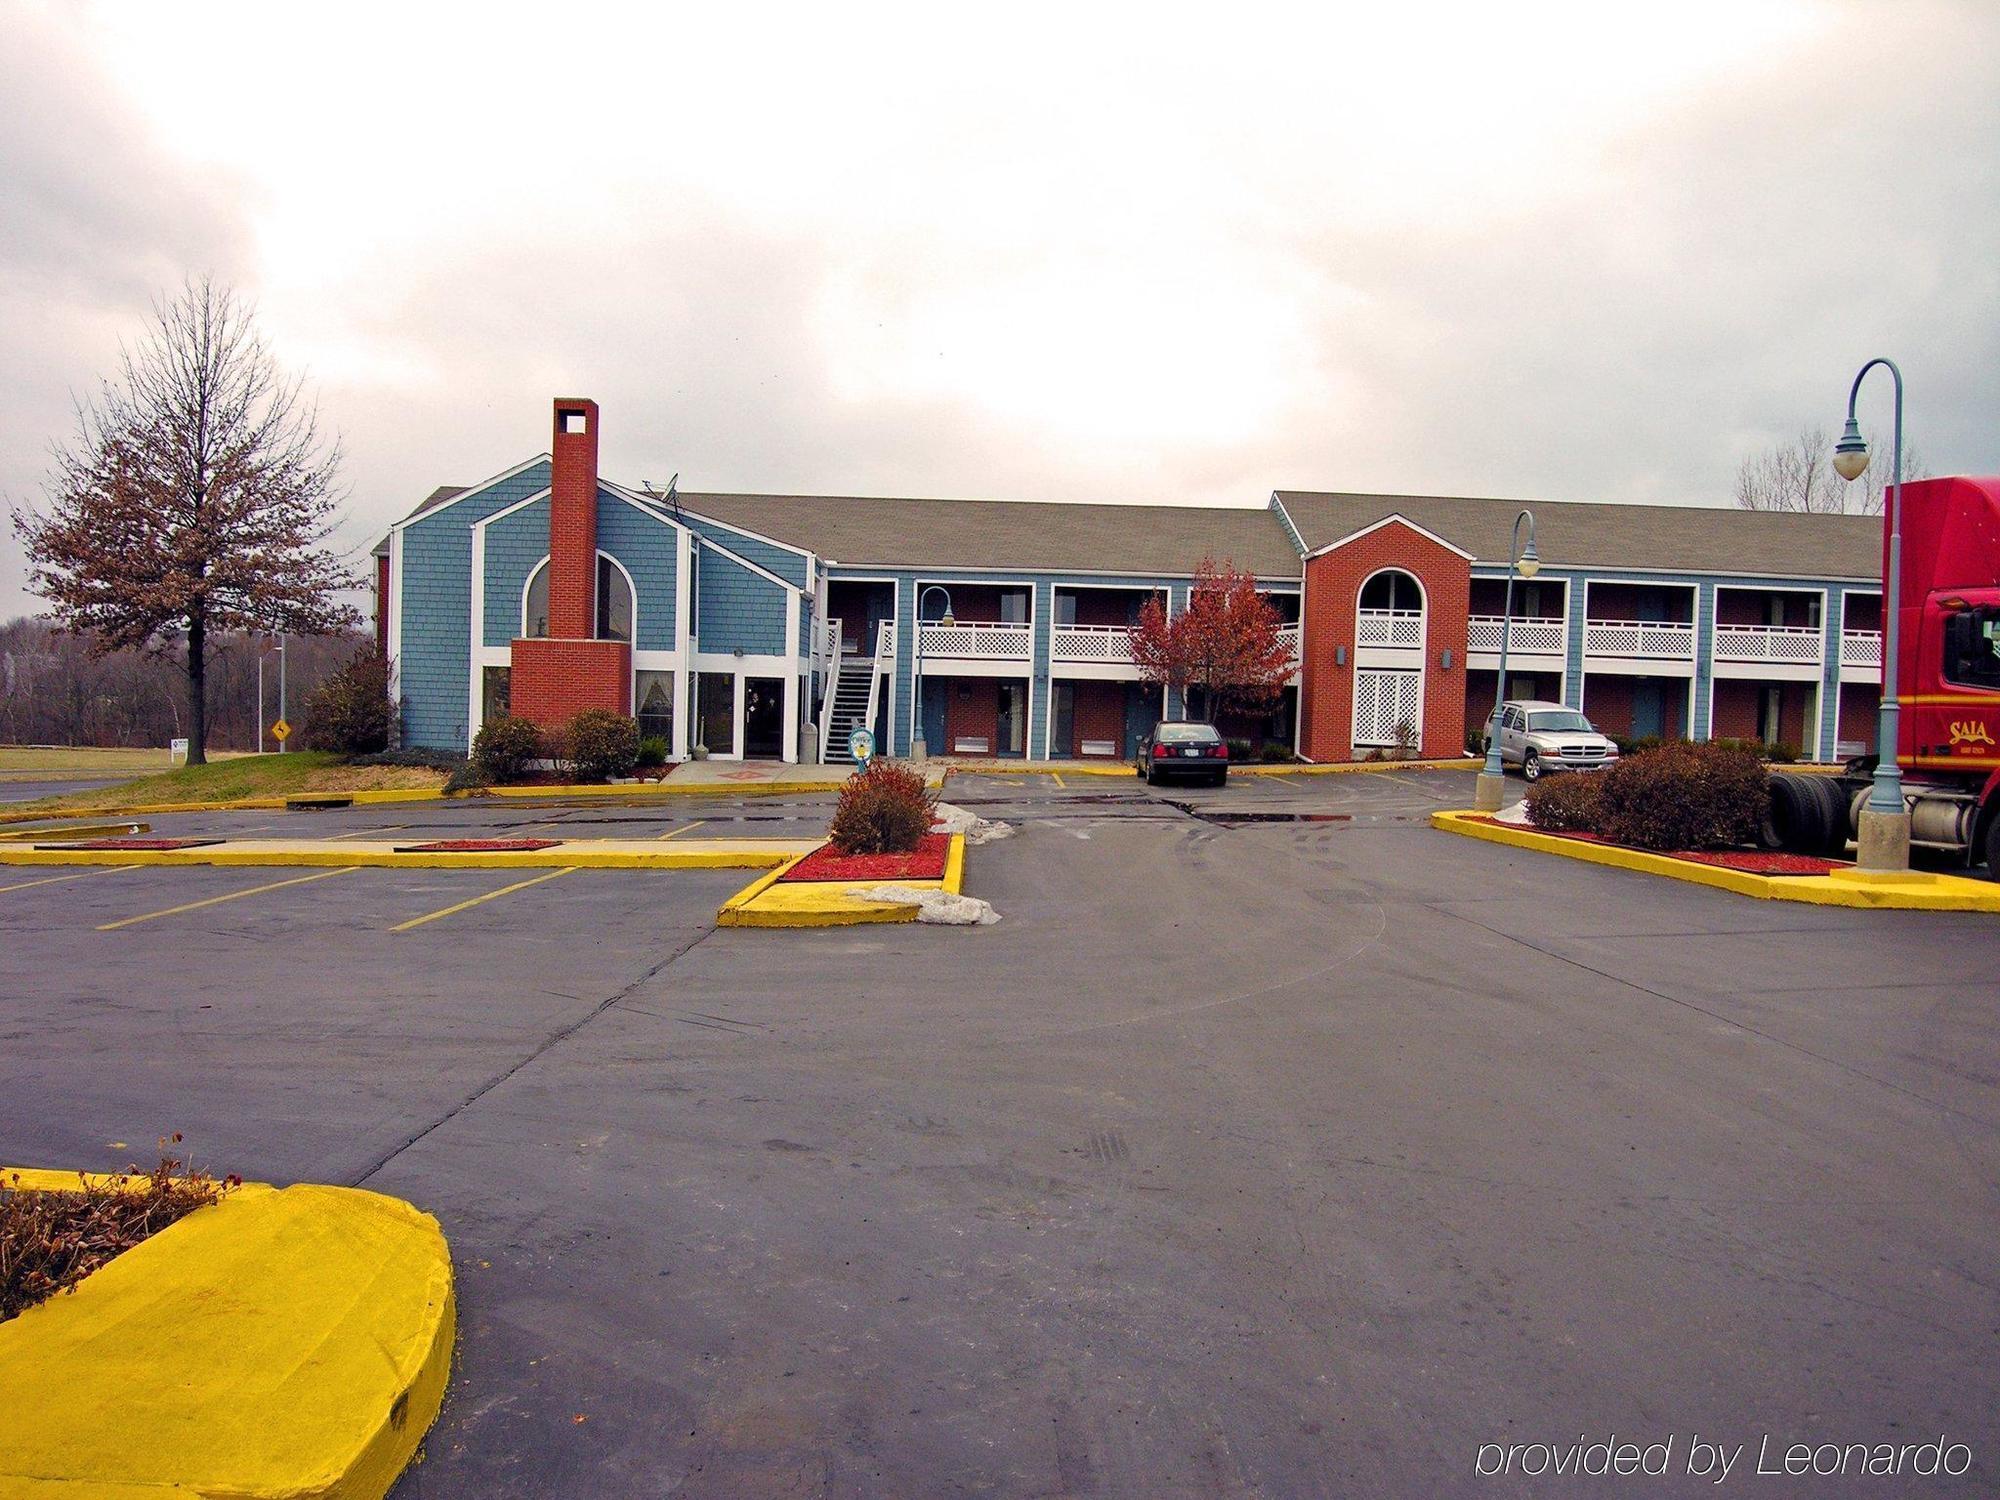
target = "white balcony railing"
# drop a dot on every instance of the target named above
(1861, 648)
(885, 644)
(1530, 637)
(1091, 643)
(829, 639)
(1391, 627)
(1288, 636)
(1797, 645)
(1664, 640)
(978, 642)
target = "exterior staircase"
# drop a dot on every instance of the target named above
(852, 695)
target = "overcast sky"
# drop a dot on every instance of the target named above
(1062, 253)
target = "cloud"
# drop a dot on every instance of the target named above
(98, 221)
(1573, 254)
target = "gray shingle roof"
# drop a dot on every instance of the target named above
(1676, 538)
(1012, 535)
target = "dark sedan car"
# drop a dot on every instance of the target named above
(1184, 748)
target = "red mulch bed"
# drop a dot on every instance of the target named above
(925, 862)
(478, 846)
(134, 844)
(1750, 861)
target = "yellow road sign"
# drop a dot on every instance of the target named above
(281, 731)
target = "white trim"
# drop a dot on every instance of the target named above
(789, 731)
(905, 570)
(1587, 571)
(742, 531)
(394, 604)
(631, 588)
(762, 572)
(1392, 518)
(683, 644)
(478, 489)
(475, 715)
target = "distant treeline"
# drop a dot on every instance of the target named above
(52, 693)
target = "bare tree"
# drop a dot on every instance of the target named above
(192, 500)
(1799, 476)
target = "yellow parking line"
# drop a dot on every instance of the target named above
(52, 879)
(505, 890)
(690, 828)
(255, 890)
(1056, 777)
(355, 833)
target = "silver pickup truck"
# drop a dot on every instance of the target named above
(1540, 737)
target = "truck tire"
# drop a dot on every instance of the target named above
(1531, 766)
(1799, 822)
(1832, 816)
(1993, 845)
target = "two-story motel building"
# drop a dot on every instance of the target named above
(766, 626)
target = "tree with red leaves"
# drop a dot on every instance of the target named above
(193, 500)
(1225, 644)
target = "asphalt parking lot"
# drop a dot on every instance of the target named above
(1272, 1144)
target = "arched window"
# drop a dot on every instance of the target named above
(535, 604)
(614, 601)
(1392, 589)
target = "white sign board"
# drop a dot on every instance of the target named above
(177, 752)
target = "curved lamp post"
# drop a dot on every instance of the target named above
(919, 748)
(1883, 839)
(1525, 561)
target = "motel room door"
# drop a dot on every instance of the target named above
(1384, 699)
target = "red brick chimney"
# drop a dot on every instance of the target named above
(573, 521)
(556, 675)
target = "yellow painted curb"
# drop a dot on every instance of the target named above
(283, 1342)
(770, 901)
(1915, 891)
(586, 854)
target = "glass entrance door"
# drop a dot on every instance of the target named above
(763, 718)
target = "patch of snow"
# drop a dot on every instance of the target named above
(1516, 814)
(940, 907)
(977, 830)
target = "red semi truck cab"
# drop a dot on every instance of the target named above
(1947, 688)
(1948, 659)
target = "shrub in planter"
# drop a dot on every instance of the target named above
(505, 747)
(885, 809)
(1565, 804)
(351, 711)
(1683, 796)
(1783, 752)
(600, 744)
(654, 750)
(467, 778)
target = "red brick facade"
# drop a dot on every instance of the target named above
(971, 709)
(1608, 703)
(553, 679)
(1333, 588)
(1737, 711)
(573, 522)
(1100, 715)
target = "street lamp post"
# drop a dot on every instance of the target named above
(1525, 561)
(919, 747)
(1883, 838)
(281, 692)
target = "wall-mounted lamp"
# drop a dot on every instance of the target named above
(1340, 656)
(1446, 661)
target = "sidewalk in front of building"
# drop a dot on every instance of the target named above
(993, 767)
